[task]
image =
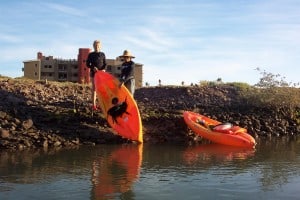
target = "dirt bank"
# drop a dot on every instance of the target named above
(37, 114)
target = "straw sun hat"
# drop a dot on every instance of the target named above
(126, 53)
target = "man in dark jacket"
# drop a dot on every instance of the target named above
(96, 61)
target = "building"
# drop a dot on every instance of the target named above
(72, 70)
(83, 71)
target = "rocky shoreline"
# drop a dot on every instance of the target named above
(41, 114)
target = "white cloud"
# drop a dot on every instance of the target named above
(9, 38)
(65, 9)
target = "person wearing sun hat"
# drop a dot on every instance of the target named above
(127, 71)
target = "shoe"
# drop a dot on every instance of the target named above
(94, 107)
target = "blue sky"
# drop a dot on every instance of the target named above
(176, 40)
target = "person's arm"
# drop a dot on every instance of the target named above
(88, 61)
(104, 61)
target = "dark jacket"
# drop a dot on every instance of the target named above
(96, 59)
(127, 71)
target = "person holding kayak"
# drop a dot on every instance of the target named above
(96, 61)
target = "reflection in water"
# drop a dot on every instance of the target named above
(29, 174)
(116, 172)
(31, 166)
(211, 171)
(279, 161)
(222, 153)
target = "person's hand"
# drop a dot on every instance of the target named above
(95, 69)
(120, 84)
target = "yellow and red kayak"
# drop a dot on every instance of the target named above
(123, 115)
(217, 132)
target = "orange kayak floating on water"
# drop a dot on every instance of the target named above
(217, 132)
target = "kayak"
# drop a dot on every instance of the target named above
(217, 132)
(118, 106)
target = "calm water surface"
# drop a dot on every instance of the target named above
(270, 171)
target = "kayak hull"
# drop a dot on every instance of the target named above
(220, 134)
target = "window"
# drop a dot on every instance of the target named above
(62, 67)
(62, 76)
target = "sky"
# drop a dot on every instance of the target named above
(175, 40)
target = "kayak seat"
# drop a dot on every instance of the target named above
(223, 127)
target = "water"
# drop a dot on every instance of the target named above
(270, 171)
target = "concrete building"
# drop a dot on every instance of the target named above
(32, 69)
(72, 70)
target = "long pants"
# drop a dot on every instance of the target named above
(130, 85)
